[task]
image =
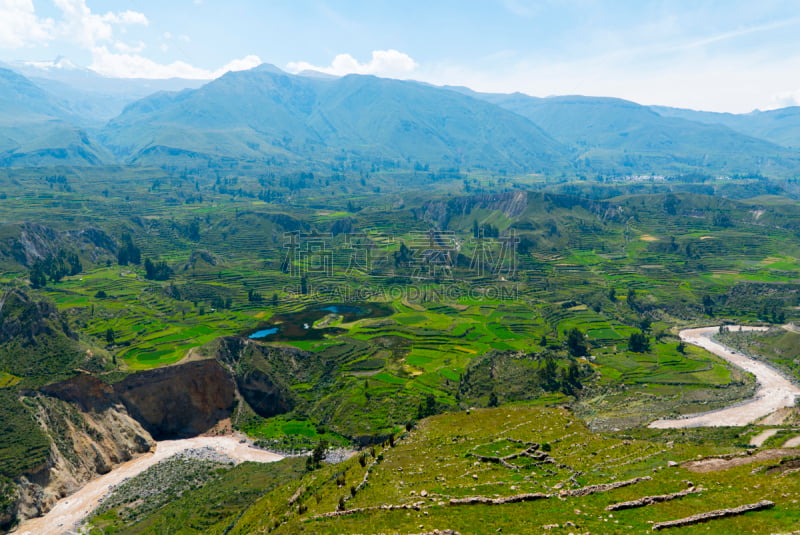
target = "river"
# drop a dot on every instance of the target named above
(774, 391)
(69, 511)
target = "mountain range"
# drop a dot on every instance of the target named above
(267, 116)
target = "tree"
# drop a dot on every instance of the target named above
(638, 342)
(571, 379)
(708, 305)
(576, 343)
(110, 336)
(128, 252)
(631, 300)
(428, 408)
(493, 401)
(37, 276)
(548, 374)
(314, 461)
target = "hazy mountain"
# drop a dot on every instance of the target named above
(37, 128)
(780, 126)
(266, 112)
(22, 101)
(92, 97)
(614, 135)
(267, 115)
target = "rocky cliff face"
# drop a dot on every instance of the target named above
(179, 401)
(91, 432)
(512, 204)
(94, 426)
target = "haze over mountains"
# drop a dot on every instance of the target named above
(267, 116)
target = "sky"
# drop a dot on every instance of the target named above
(725, 55)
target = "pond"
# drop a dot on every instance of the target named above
(263, 333)
(300, 325)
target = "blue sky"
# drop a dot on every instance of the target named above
(713, 55)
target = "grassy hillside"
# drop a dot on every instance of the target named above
(563, 476)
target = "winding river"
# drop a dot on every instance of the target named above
(68, 512)
(774, 392)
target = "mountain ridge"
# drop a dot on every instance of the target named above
(265, 116)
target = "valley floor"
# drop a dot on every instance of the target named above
(70, 511)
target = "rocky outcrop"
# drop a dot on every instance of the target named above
(264, 373)
(23, 318)
(179, 401)
(27, 243)
(264, 394)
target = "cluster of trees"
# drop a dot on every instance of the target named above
(486, 230)
(128, 253)
(156, 271)
(567, 380)
(772, 313)
(639, 342)
(577, 345)
(55, 268)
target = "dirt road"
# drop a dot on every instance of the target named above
(66, 514)
(774, 390)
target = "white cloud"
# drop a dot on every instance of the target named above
(129, 49)
(126, 17)
(389, 63)
(784, 100)
(131, 65)
(87, 29)
(19, 25)
(243, 64)
(522, 8)
(123, 65)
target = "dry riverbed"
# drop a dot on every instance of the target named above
(774, 390)
(68, 512)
